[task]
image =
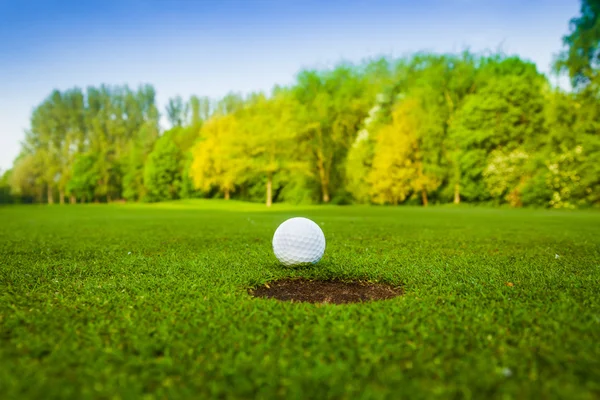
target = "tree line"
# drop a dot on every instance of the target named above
(426, 128)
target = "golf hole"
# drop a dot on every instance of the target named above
(328, 292)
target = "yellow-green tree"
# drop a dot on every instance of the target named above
(270, 132)
(217, 157)
(505, 175)
(333, 106)
(26, 178)
(398, 169)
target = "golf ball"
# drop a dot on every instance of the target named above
(297, 241)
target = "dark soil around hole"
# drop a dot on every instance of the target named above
(334, 292)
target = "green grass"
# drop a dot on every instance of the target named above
(130, 301)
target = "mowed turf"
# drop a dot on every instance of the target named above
(126, 301)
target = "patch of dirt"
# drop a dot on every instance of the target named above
(333, 292)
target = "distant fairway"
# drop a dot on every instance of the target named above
(134, 300)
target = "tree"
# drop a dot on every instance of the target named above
(162, 175)
(143, 130)
(5, 191)
(177, 111)
(581, 58)
(358, 166)
(26, 178)
(44, 142)
(504, 175)
(269, 135)
(194, 107)
(84, 177)
(185, 138)
(506, 114)
(72, 113)
(229, 104)
(567, 165)
(362, 151)
(332, 107)
(440, 83)
(187, 189)
(218, 160)
(114, 118)
(398, 166)
(564, 178)
(141, 147)
(578, 122)
(106, 139)
(431, 128)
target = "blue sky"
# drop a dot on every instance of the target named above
(211, 47)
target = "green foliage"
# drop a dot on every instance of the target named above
(269, 133)
(424, 128)
(218, 156)
(230, 103)
(76, 141)
(332, 106)
(177, 111)
(85, 177)
(564, 178)
(6, 196)
(504, 175)
(133, 179)
(571, 150)
(162, 171)
(186, 189)
(362, 151)
(194, 107)
(25, 179)
(506, 114)
(358, 166)
(151, 301)
(581, 59)
(398, 169)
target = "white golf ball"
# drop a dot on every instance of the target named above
(297, 241)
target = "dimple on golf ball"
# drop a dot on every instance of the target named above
(297, 241)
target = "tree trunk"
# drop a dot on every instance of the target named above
(226, 194)
(424, 197)
(323, 177)
(325, 195)
(61, 197)
(269, 190)
(50, 195)
(72, 199)
(457, 194)
(108, 198)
